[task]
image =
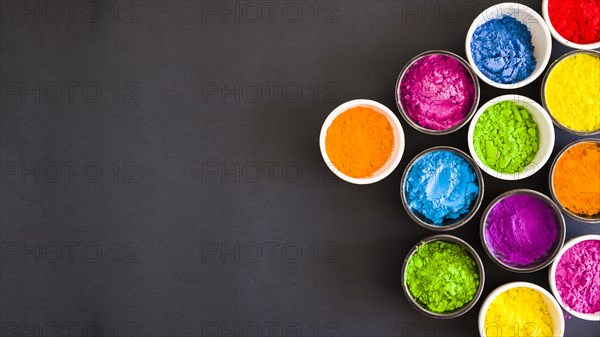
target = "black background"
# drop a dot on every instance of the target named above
(193, 181)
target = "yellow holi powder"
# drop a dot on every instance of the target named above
(518, 312)
(573, 92)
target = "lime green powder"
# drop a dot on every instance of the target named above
(442, 276)
(506, 137)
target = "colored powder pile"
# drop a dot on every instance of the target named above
(521, 230)
(359, 142)
(576, 179)
(502, 50)
(437, 92)
(518, 312)
(441, 186)
(442, 276)
(572, 92)
(506, 137)
(576, 20)
(578, 277)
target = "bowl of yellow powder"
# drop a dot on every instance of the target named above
(511, 137)
(362, 141)
(575, 180)
(571, 92)
(520, 309)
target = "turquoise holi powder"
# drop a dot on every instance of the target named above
(502, 50)
(441, 186)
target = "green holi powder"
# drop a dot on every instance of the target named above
(506, 137)
(442, 276)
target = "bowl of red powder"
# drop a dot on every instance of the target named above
(574, 23)
(437, 92)
(575, 180)
(522, 230)
(575, 277)
(362, 141)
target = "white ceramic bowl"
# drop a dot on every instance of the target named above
(552, 277)
(397, 152)
(561, 39)
(540, 38)
(546, 134)
(553, 308)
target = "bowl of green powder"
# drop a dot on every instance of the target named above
(442, 276)
(511, 137)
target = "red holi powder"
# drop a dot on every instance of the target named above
(576, 20)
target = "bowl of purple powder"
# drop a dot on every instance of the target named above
(508, 45)
(574, 277)
(522, 230)
(437, 92)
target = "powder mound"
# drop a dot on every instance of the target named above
(506, 137)
(441, 186)
(359, 142)
(577, 21)
(437, 92)
(502, 50)
(442, 276)
(572, 92)
(576, 179)
(518, 308)
(578, 277)
(521, 230)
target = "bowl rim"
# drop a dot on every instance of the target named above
(543, 92)
(562, 230)
(558, 37)
(551, 181)
(552, 277)
(542, 65)
(472, 252)
(394, 122)
(518, 99)
(468, 216)
(405, 115)
(511, 285)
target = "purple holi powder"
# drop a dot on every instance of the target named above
(437, 92)
(520, 230)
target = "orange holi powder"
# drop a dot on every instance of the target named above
(359, 142)
(577, 179)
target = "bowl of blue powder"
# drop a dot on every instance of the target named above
(508, 45)
(442, 188)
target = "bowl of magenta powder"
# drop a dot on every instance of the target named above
(508, 45)
(442, 188)
(437, 92)
(442, 276)
(522, 230)
(575, 277)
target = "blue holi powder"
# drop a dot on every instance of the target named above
(441, 186)
(502, 50)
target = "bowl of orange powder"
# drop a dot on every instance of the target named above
(362, 141)
(575, 180)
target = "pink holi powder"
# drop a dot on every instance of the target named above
(578, 277)
(437, 92)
